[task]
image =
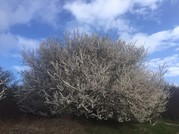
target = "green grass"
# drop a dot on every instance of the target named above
(132, 128)
(163, 129)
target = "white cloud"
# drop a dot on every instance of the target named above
(8, 42)
(14, 12)
(156, 41)
(97, 9)
(109, 14)
(12, 44)
(27, 43)
(171, 62)
(20, 68)
(109, 9)
(82, 28)
(175, 33)
(99, 14)
(173, 71)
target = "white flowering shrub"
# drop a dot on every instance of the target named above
(2, 92)
(3, 80)
(92, 76)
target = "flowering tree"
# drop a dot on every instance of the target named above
(3, 80)
(2, 93)
(92, 76)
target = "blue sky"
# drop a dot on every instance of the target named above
(152, 23)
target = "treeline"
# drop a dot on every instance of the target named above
(172, 107)
(91, 76)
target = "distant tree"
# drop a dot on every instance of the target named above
(92, 76)
(172, 109)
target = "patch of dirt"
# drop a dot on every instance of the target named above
(41, 126)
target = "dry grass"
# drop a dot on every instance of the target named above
(12, 121)
(35, 125)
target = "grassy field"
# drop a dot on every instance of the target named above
(36, 125)
(133, 128)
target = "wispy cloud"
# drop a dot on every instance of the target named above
(155, 42)
(109, 14)
(171, 62)
(20, 68)
(97, 9)
(12, 44)
(110, 9)
(13, 12)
